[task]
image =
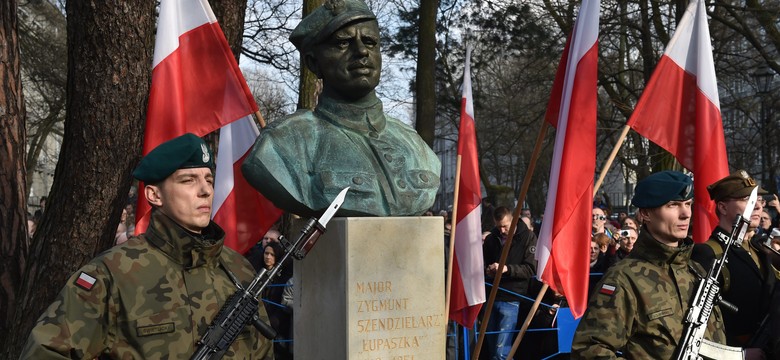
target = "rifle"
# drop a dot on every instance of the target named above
(705, 298)
(241, 307)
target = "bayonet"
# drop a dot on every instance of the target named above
(240, 308)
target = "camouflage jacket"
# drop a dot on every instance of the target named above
(639, 305)
(151, 297)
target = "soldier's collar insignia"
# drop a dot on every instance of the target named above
(85, 281)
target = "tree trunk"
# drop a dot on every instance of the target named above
(109, 56)
(13, 208)
(309, 86)
(230, 15)
(426, 69)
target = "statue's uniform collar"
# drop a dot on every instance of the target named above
(365, 116)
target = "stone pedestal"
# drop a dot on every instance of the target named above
(371, 289)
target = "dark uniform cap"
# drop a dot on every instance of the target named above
(662, 187)
(326, 19)
(738, 184)
(184, 152)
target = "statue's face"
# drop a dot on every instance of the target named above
(349, 62)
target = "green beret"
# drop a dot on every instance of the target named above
(184, 152)
(661, 188)
(738, 184)
(326, 19)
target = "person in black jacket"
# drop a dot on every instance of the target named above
(519, 269)
(748, 277)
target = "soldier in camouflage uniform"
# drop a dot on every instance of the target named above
(640, 303)
(154, 296)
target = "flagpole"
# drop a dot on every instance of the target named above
(512, 229)
(611, 158)
(260, 119)
(451, 252)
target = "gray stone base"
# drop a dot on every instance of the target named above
(372, 288)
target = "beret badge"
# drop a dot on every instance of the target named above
(687, 191)
(749, 182)
(205, 151)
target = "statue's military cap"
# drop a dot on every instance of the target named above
(662, 187)
(326, 19)
(738, 184)
(183, 152)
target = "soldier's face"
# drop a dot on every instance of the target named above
(349, 62)
(186, 197)
(731, 208)
(669, 223)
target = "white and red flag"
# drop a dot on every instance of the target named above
(680, 112)
(467, 292)
(564, 242)
(239, 209)
(197, 87)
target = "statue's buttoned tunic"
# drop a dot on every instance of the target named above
(303, 161)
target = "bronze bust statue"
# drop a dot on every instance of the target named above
(301, 162)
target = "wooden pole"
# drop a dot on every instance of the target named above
(448, 285)
(260, 119)
(611, 158)
(527, 321)
(512, 229)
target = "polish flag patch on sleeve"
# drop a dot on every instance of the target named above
(85, 281)
(607, 289)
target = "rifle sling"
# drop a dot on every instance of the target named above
(725, 274)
